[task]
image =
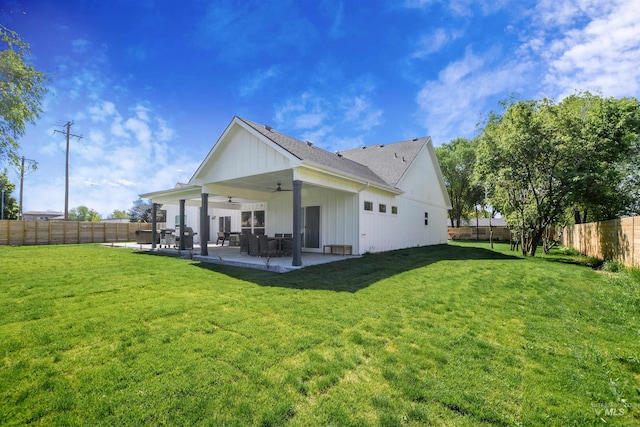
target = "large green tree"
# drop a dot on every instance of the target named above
(140, 211)
(607, 131)
(83, 213)
(457, 160)
(22, 89)
(119, 214)
(10, 204)
(528, 164)
(542, 160)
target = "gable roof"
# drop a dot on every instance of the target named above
(306, 151)
(375, 164)
(389, 161)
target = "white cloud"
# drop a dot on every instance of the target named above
(451, 106)
(254, 82)
(589, 45)
(101, 112)
(435, 41)
(81, 45)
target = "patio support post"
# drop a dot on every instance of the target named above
(204, 225)
(297, 223)
(181, 225)
(154, 225)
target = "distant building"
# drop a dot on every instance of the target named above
(483, 222)
(43, 216)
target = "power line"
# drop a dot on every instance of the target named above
(66, 181)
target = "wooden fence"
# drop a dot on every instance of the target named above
(479, 233)
(617, 239)
(22, 233)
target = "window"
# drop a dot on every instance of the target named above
(382, 208)
(368, 206)
(394, 210)
(252, 222)
(426, 218)
(178, 220)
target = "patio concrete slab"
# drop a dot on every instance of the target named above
(230, 255)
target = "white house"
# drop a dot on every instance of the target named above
(374, 198)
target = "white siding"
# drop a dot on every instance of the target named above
(338, 215)
(422, 193)
(241, 154)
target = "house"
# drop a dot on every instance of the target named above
(43, 216)
(258, 180)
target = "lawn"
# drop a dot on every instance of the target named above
(445, 335)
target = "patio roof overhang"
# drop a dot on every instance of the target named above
(258, 188)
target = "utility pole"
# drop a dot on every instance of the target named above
(66, 179)
(33, 163)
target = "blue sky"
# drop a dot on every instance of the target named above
(151, 84)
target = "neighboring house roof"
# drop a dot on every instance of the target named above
(484, 222)
(43, 215)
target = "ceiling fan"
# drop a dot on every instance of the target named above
(231, 202)
(279, 188)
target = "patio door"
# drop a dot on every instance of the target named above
(311, 222)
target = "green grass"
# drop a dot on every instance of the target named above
(446, 335)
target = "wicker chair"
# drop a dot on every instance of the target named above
(268, 248)
(244, 244)
(254, 245)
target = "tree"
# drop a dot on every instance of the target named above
(528, 164)
(11, 208)
(22, 89)
(542, 160)
(457, 160)
(140, 211)
(83, 213)
(607, 130)
(118, 214)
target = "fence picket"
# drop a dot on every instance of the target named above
(614, 239)
(27, 233)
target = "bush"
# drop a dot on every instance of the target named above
(566, 250)
(612, 266)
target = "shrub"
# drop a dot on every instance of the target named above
(566, 250)
(612, 266)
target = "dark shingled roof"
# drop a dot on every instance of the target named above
(376, 164)
(388, 161)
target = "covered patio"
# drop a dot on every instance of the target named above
(230, 255)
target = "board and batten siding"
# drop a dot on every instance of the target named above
(422, 193)
(239, 155)
(338, 215)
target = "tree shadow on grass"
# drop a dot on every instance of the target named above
(354, 274)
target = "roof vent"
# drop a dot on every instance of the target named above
(338, 154)
(403, 159)
(310, 144)
(414, 139)
(395, 155)
(267, 127)
(380, 145)
(364, 147)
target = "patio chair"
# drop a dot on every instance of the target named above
(287, 246)
(221, 238)
(244, 244)
(254, 245)
(268, 248)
